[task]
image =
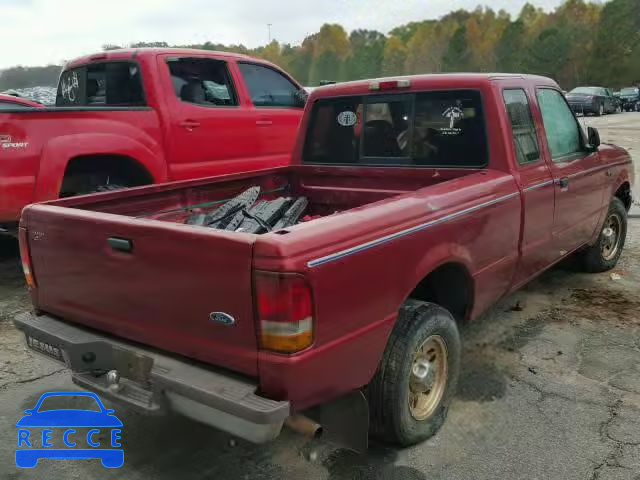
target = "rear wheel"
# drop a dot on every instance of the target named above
(604, 254)
(410, 394)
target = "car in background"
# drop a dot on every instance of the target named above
(630, 98)
(12, 102)
(596, 100)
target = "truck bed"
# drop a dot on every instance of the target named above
(125, 263)
(328, 193)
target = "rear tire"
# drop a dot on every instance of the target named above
(600, 111)
(410, 393)
(604, 254)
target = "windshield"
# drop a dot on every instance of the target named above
(430, 129)
(587, 90)
(630, 91)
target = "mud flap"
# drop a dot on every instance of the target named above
(345, 421)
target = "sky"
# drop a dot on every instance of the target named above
(40, 32)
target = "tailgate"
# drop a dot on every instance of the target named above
(180, 288)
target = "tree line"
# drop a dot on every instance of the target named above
(576, 44)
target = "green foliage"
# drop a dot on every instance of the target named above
(394, 57)
(367, 54)
(617, 45)
(581, 42)
(510, 47)
(458, 55)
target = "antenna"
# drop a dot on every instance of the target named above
(269, 30)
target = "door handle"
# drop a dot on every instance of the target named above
(120, 244)
(563, 182)
(264, 122)
(189, 125)
(608, 173)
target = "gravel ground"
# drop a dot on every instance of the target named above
(550, 389)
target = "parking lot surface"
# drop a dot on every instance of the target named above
(550, 389)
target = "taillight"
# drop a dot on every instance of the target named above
(285, 312)
(26, 258)
(389, 84)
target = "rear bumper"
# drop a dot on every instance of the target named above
(153, 383)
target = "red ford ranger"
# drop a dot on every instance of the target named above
(411, 206)
(141, 116)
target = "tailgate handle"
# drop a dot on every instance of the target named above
(120, 244)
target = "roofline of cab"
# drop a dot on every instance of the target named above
(429, 81)
(141, 53)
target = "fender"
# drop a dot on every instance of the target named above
(622, 177)
(435, 258)
(57, 153)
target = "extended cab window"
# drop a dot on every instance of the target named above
(115, 84)
(270, 88)
(522, 126)
(429, 129)
(203, 81)
(561, 127)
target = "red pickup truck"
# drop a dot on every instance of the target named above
(141, 116)
(411, 206)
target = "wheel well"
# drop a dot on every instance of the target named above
(85, 173)
(624, 194)
(449, 286)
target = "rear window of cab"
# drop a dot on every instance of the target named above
(429, 129)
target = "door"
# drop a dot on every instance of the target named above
(279, 106)
(612, 101)
(536, 181)
(211, 133)
(578, 173)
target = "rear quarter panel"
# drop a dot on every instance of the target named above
(54, 136)
(364, 263)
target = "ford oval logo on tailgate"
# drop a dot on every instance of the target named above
(223, 318)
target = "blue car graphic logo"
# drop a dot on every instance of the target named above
(102, 424)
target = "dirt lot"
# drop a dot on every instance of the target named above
(550, 389)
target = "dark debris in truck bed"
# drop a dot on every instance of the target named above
(246, 213)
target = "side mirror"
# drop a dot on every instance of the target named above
(300, 98)
(593, 137)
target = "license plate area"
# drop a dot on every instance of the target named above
(45, 348)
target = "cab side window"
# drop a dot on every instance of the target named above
(561, 128)
(270, 88)
(203, 81)
(522, 127)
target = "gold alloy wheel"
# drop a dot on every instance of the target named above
(611, 233)
(428, 377)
